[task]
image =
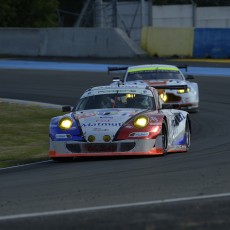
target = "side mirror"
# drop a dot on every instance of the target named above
(167, 106)
(66, 108)
(189, 77)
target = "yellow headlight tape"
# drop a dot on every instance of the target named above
(152, 68)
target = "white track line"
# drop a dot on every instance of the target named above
(24, 165)
(31, 103)
(78, 210)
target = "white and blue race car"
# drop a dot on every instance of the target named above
(119, 120)
(161, 76)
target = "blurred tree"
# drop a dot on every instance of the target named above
(28, 13)
(49, 13)
(69, 11)
(7, 13)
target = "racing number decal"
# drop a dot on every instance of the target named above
(178, 118)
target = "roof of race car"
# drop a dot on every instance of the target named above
(134, 89)
(148, 67)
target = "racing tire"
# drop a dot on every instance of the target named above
(164, 134)
(187, 135)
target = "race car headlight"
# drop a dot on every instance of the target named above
(180, 91)
(141, 121)
(65, 123)
(164, 97)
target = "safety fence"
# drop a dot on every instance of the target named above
(186, 42)
(68, 42)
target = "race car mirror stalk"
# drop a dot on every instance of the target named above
(66, 108)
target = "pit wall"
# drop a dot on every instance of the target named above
(186, 42)
(68, 42)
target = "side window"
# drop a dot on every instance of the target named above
(83, 104)
(86, 103)
(129, 77)
(152, 103)
(93, 102)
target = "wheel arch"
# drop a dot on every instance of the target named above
(166, 122)
(189, 123)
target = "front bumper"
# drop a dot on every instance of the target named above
(117, 148)
(187, 101)
(185, 106)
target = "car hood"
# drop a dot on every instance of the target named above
(103, 121)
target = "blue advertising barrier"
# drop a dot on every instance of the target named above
(211, 43)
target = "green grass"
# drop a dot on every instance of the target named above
(24, 135)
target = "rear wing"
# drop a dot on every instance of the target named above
(187, 76)
(119, 68)
(183, 67)
(124, 68)
(116, 69)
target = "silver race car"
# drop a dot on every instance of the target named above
(161, 76)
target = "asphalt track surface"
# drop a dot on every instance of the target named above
(177, 191)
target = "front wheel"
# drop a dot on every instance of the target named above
(187, 135)
(164, 134)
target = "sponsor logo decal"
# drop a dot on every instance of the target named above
(139, 134)
(103, 120)
(102, 124)
(61, 136)
(153, 119)
(85, 115)
(129, 126)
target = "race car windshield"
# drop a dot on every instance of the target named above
(154, 75)
(101, 101)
